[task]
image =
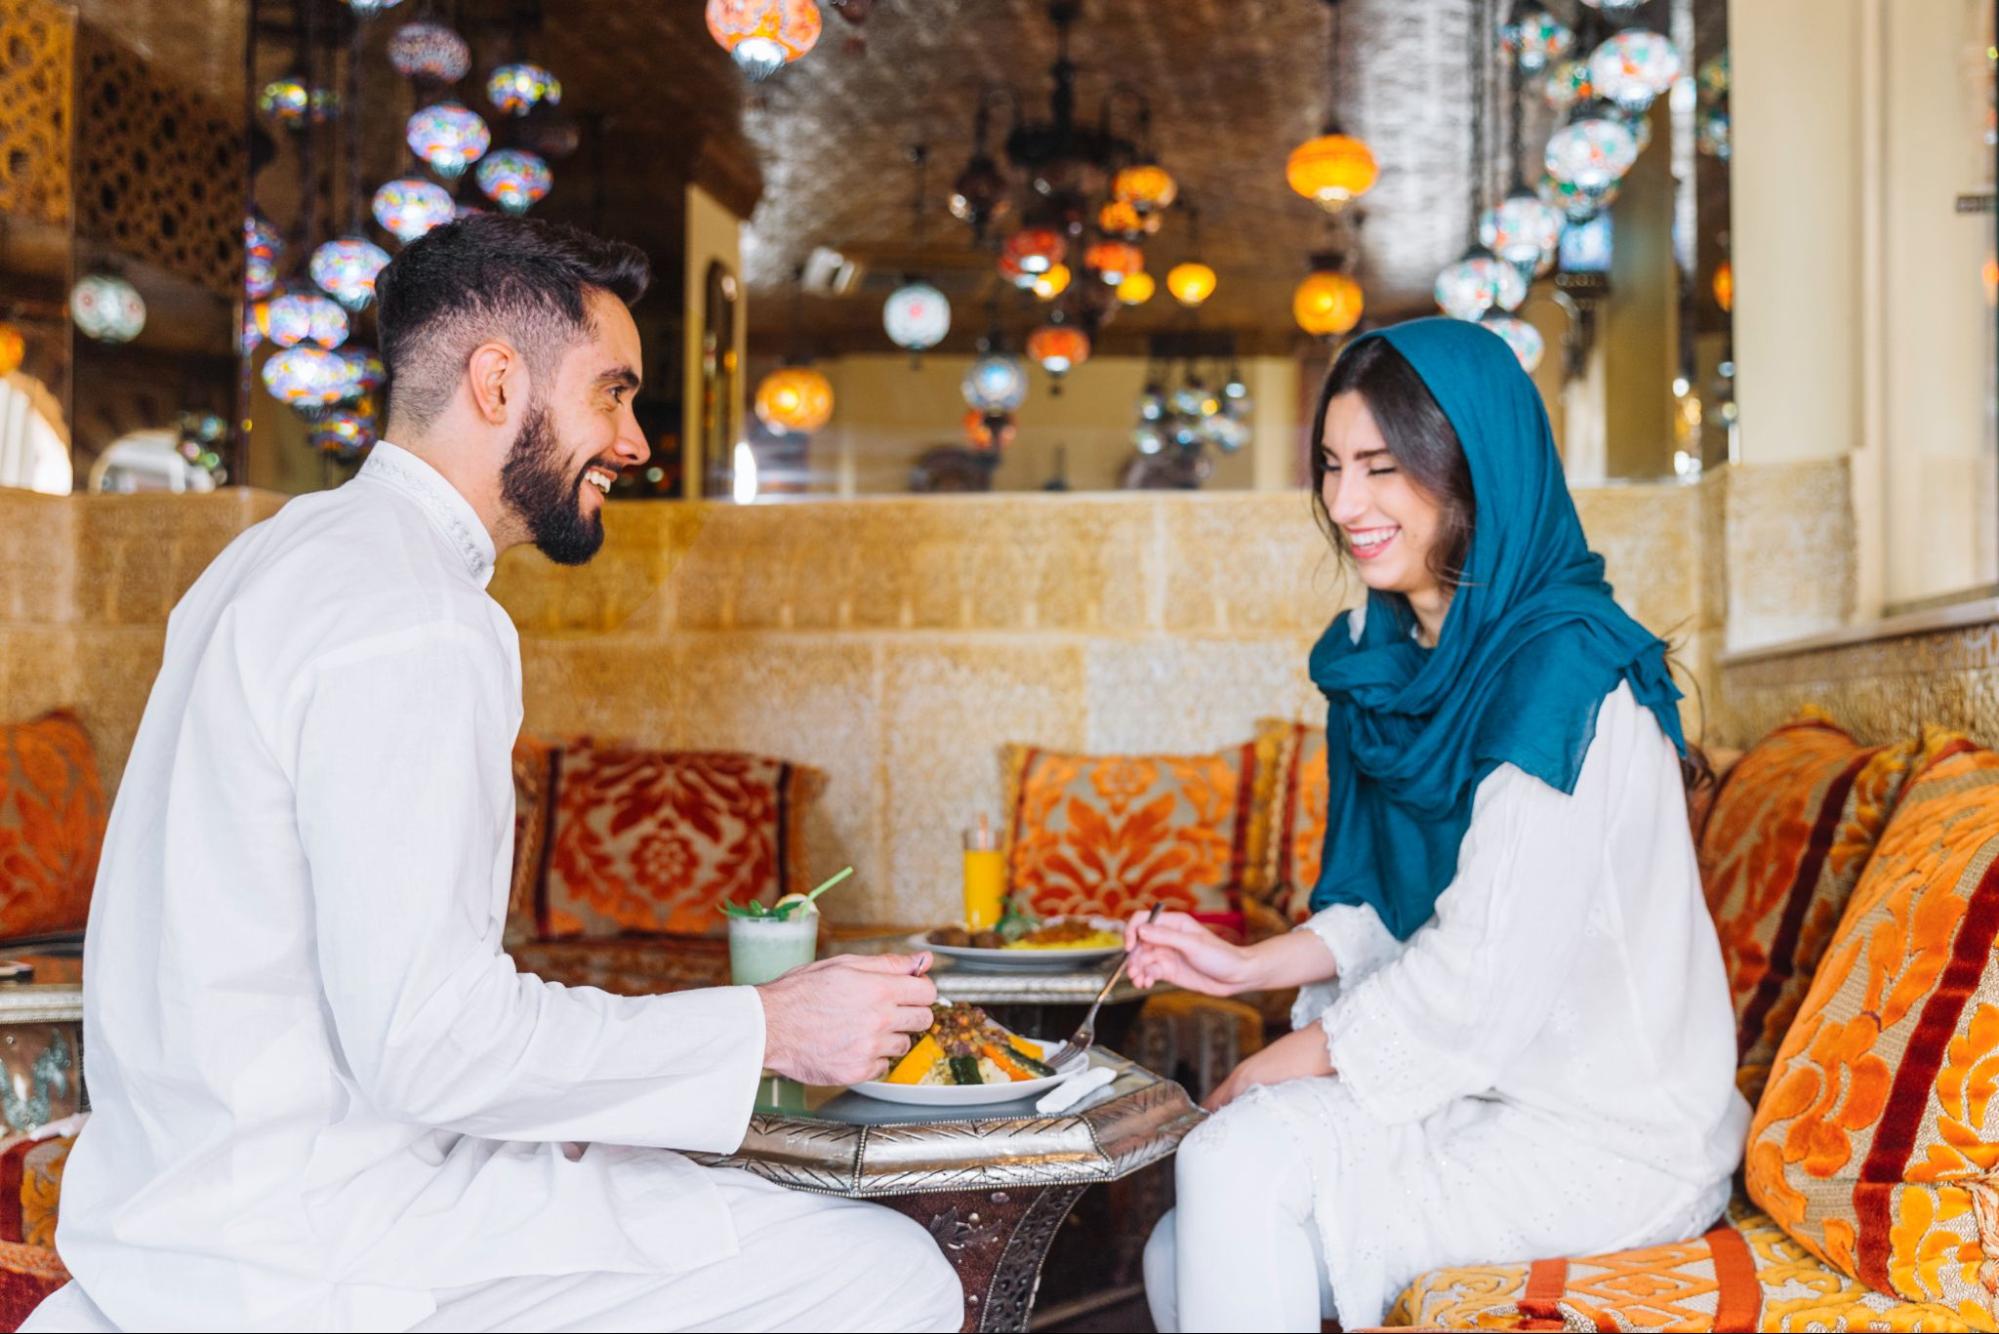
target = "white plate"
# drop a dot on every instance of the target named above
(1026, 961)
(974, 1095)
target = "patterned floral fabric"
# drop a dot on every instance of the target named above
(628, 967)
(615, 840)
(1785, 838)
(1877, 1142)
(52, 814)
(1114, 833)
(27, 1274)
(1745, 1274)
(31, 1188)
(1290, 830)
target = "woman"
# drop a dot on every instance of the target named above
(1514, 1039)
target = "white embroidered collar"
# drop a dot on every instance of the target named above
(440, 502)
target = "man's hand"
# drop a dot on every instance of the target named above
(846, 1019)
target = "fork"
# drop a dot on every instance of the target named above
(1085, 1036)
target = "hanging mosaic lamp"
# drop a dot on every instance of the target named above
(1149, 188)
(263, 255)
(1593, 150)
(13, 349)
(1478, 282)
(364, 368)
(1589, 247)
(1191, 283)
(796, 399)
(1054, 283)
(1152, 402)
(988, 433)
(763, 36)
(306, 377)
(916, 316)
(1567, 84)
(1522, 338)
(996, 384)
(1137, 288)
(514, 178)
(1713, 79)
(1114, 261)
(367, 9)
(516, 89)
(1635, 67)
(1035, 250)
(1577, 204)
(1328, 303)
(1010, 271)
(1058, 348)
(346, 269)
(1615, 7)
(291, 103)
(301, 314)
(1724, 286)
(1120, 220)
(1712, 135)
(410, 206)
(1535, 38)
(429, 51)
(106, 308)
(251, 336)
(343, 433)
(449, 136)
(1332, 170)
(1524, 229)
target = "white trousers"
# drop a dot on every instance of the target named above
(1241, 1251)
(806, 1262)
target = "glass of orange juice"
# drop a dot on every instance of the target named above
(985, 878)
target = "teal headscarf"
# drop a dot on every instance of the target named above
(1529, 648)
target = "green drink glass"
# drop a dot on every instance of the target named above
(763, 949)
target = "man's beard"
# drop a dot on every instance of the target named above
(533, 485)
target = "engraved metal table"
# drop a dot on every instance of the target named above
(41, 1047)
(992, 1185)
(982, 986)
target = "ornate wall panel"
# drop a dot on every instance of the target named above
(159, 168)
(37, 55)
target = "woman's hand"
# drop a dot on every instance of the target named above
(1179, 950)
(1298, 1055)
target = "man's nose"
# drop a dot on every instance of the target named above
(631, 447)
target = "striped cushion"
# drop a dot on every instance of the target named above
(1290, 831)
(1744, 1274)
(1877, 1143)
(1781, 849)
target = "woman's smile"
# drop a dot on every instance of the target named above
(1368, 543)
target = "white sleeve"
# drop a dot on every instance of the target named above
(1353, 934)
(1476, 982)
(399, 760)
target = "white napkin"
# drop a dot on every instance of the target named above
(1073, 1090)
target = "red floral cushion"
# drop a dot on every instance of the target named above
(1292, 794)
(52, 815)
(1111, 834)
(615, 840)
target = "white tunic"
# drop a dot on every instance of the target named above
(1545, 1068)
(322, 1091)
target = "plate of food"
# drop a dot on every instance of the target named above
(968, 1060)
(1056, 942)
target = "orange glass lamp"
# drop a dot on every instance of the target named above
(1052, 283)
(1058, 348)
(1191, 283)
(1114, 261)
(1332, 170)
(1035, 250)
(1724, 286)
(1148, 188)
(1328, 303)
(797, 399)
(13, 349)
(1137, 288)
(1119, 219)
(763, 36)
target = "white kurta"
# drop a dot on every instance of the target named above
(324, 1097)
(1545, 1068)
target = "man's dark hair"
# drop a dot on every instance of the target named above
(491, 276)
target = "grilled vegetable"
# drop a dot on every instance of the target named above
(965, 1070)
(1036, 1067)
(921, 1059)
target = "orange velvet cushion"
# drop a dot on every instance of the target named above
(1291, 826)
(52, 815)
(633, 841)
(1877, 1142)
(1114, 833)
(1782, 847)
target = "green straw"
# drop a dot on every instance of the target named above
(836, 879)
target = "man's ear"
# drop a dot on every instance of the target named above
(498, 380)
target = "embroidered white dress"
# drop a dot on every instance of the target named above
(324, 1097)
(1545, 1068)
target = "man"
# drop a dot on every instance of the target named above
(324, 1098)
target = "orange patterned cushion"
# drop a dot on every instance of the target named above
(1290, 828)
(651, 842)
(1114, 833)
(1877, 1143)
(52, 815)
(1783, 844)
